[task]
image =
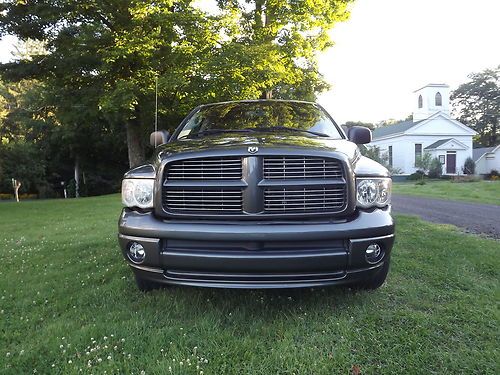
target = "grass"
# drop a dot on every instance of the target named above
(68, 304)
(487, 192)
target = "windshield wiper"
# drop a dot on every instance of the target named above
(284, 128)
(215, 131)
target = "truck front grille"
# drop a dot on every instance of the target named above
(219, 200)
(205, 169)
(255, 186)
(305, 199)
(301, 167)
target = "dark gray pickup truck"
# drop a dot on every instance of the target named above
(258, 194)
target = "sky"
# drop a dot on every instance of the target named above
(389, 48)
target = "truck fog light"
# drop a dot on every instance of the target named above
(136, 252)
(373, 253)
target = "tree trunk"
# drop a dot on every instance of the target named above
(77, 179)
(136, 153)
(268, 94)
(17, 185)
(262, 19)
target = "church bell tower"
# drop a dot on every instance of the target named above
(432, 98)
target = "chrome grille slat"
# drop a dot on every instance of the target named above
(286, 167)
(218, 168)
(202, 199)
(305, 199)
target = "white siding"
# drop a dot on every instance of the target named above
(403, 150)
(489, 162)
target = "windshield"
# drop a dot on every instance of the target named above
(260, 116)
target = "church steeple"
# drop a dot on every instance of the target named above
(432, 98)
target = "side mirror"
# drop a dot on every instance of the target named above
(359, 135)
(159, 138)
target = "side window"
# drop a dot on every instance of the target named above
(439, 99)
(420, 101)
(418, 151)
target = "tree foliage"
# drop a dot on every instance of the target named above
(469, 166)
(21, 161)
(382, 157)
(103, 57)
(477, 103)
(424, 162)
(435, 168)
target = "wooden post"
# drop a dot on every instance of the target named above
(16, 185)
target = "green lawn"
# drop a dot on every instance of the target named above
(480, 192)
(68, 304)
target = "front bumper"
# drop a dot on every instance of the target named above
(265, 254)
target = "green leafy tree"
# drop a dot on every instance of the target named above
(469, 166)
(273, 44)
(424, 163)
(21, 161)
(435, 168)
(477, 104)
(374, 153)
(102, 58)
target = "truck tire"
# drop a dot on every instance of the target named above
(145, 285)
(379, 279)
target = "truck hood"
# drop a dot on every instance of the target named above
(225, 142)
(361, 165)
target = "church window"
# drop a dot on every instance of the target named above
(420, 101)
(418, 151)
(439, 99)
(390, 156)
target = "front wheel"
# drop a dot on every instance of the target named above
(376, 281)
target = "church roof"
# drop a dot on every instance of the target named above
(400, 127)
(433, 85)
(438, 143)
(478, 152)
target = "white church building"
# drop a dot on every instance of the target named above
(432, 130)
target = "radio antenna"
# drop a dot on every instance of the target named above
(156, 106)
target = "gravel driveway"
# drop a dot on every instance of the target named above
(474, 217)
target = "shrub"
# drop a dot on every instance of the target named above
(418, 175)
(21, 161)
(423, 163)
(436, 169)
(469, 166)
(493, 175)
(420, 182)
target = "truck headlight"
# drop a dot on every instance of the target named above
(137, 192)
(373, 192)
